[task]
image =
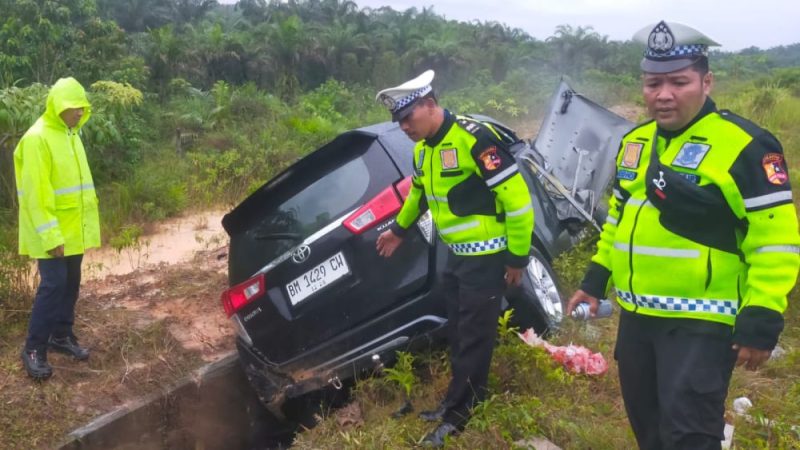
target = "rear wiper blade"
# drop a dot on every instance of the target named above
(278, 236)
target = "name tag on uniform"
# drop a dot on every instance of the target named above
(690, 177)
(691, 155)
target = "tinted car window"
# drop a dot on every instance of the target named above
(315, 206)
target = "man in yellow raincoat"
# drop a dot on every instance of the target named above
(58, 220)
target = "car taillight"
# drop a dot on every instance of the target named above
(379, 208)
(240, 295)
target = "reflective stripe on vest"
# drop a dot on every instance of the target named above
(766, 200)
(520, 211)
(461, 227)
(47, 226)
(71, 189)
(681, 304)
(637, 202)
(778, 249)
(436, 198)
(658, 251)
(469, 248)
(611, 220)
(500, 177)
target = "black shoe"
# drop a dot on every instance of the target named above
(437, 437)
(69, 346)
(36, 365)
(433, 415)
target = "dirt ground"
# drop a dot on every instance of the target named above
(146, 328)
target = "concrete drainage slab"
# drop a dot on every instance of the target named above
(213, 408)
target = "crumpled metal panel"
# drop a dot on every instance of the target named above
(577, 144)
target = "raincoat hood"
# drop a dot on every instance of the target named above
(66, 93)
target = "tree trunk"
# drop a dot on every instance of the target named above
(8, 188)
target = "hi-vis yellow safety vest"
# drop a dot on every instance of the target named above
(701, 225)
(57, 200)
(470, 182)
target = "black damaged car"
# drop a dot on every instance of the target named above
(313, 303)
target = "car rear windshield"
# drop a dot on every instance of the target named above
(315, 206)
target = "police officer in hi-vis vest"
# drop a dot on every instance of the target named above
(465, 175)
(700, 243)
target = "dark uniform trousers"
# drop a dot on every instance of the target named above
(674, 375)
(53, 312)
(473, 288)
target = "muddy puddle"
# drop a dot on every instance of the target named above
(173, 241)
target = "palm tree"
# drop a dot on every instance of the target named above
(577, 48)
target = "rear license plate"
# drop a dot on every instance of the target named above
(317, 278)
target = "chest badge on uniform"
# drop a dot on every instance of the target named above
(631, 155)
(449, 158)
(691, 155)
(490, 158)
(775, 169)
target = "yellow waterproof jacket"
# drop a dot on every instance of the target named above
(470, 182)
(701, 225)
(57, 199)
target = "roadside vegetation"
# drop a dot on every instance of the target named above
(196, 104)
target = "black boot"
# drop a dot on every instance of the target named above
(36, 365)
(437, 437)
(434, 415)
(69, 346)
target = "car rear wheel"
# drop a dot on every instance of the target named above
(538, 302)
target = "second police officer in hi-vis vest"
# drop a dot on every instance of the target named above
(701, 244)
(465, 175)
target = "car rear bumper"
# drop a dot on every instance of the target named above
(345, 356)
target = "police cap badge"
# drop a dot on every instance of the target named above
(671, 46)
(400, 100)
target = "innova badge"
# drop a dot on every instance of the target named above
(301, 254)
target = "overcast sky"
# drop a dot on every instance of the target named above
(735, 24)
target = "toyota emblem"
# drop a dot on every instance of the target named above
(301, 254)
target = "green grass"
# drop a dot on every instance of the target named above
(532, 396)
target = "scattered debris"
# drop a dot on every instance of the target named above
(777, 353)
(536, 444)
(741, 405)
(575, 358)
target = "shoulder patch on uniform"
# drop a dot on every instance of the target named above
(449, 158)
(491, 160)
(775, 168)
(631, 155)
(691, 155)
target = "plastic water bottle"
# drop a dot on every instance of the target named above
(581, 312)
